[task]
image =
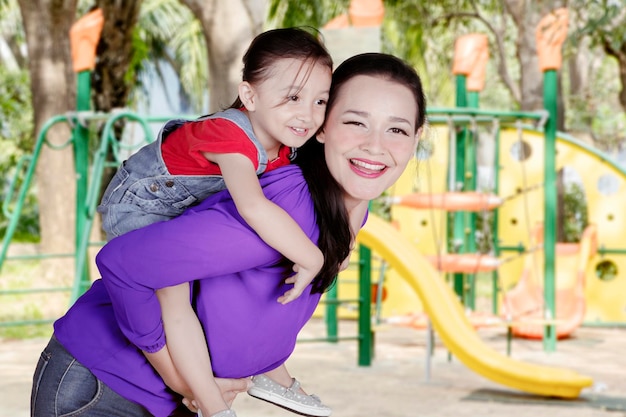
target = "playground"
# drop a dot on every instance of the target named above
(396, 384)
(523, 325)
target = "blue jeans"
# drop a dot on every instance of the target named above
(64, 387)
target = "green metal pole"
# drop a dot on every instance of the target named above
(471, 171)
(473, 99)
(495, 278)
(458, 240)
(80, 136)
(366, 337)
(550, 103)
(332, 328)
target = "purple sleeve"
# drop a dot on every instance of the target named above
(210, 240)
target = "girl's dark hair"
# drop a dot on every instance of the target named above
(269, 46)
(332, 217)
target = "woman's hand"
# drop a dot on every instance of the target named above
(229, 388)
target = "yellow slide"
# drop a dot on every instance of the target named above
(449, 320)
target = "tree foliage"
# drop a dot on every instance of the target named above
(315, 13)
(16, 140)
(165, 32)
(600, 27)
(423, 33)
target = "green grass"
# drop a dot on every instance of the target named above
(18, 307)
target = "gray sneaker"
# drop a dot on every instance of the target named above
(289, 398)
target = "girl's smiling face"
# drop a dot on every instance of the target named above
(369, 136)
(289, 105)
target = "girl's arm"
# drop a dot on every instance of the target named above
(272, 223)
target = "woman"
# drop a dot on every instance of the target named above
(94, 365)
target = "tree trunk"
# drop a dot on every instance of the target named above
(110, 84)
(228, 27)
(526, 18)
(620, 55)
(115, 50)
(47, 24)
(526, 14)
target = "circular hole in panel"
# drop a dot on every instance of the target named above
(606, 270)
(608, 184)
(521, 150)
(513, 221)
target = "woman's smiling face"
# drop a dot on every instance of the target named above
(369, 136)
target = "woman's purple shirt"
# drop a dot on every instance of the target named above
(237, 279)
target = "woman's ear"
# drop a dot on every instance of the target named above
(320, 136)
(246, 95)
(418, 135)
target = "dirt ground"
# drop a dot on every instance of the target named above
(398, 384)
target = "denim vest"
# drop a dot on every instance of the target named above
(143, 192)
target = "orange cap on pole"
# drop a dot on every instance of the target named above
(468, 49)
(366, 12)
(550, 35)
(361, 13)
(476, 78)
(338, 22)
(84, 37)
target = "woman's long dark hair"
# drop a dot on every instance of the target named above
(332, 217)
(335, 236)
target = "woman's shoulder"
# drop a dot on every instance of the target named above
(285, 184)
(287, 188)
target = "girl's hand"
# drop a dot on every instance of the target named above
(300, 281)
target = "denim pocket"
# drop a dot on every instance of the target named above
(78, 390)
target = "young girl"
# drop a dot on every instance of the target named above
(281, 104)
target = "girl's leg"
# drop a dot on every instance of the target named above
(62, 386)
(187, 346)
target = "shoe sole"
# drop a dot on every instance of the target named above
(292, 406)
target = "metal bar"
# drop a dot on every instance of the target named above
(550, 207)
(365, 307)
